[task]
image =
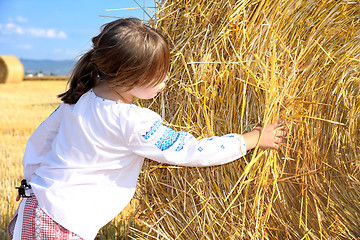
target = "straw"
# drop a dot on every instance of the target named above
(11, 69)
(236, 64)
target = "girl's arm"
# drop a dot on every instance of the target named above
(40, 141)
(165, 145)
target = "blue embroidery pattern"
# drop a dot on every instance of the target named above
(181, 141)
(200, 149)
(153, 129)
(167, 139)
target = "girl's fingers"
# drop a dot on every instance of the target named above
(280, 133)
(279, 123)
(275, 146)
(278, 140)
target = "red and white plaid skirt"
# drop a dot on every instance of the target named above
(30, 222)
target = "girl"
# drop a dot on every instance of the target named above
(83, 161)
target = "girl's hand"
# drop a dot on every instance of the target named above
(269, 137)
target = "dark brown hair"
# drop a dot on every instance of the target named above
(126, 53)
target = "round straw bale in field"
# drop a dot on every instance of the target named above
(236, 64)
(11, 69)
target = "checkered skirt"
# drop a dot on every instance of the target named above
(36, 224)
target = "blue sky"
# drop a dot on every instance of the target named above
(58, 30)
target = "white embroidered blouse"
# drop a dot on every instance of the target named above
(83, 161)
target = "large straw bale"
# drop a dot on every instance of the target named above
(240, 63)
(11, 69)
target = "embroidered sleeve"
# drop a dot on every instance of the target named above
(168, 139)
(163, 144)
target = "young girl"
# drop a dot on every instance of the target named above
(83, 161)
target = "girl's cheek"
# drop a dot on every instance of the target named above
(163, 85)
(160, 87)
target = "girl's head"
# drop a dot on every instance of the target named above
(126, 53)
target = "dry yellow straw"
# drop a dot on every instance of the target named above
(240, 63)
(11, 69)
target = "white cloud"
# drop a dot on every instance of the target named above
(62, 34)
(47, 33)
(21, 19)
(12, 28)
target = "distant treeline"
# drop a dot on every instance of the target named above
(48, 67)
(47, 78)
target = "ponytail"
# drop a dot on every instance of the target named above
(83, 78)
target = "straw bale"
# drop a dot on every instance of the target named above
(240, 63)
(11, 69)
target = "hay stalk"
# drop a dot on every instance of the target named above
(240, 63)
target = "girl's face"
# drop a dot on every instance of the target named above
(148, 92)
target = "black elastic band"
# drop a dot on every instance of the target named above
(24, 186)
